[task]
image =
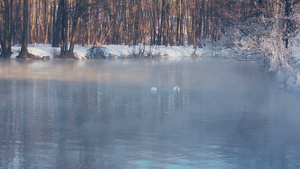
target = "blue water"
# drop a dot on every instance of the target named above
(102, 114)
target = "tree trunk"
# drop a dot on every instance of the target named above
(74, 34)
(24, 52)
(64, 29)
(288, 25)
(6, 41)
(57, 24)
(80, 8)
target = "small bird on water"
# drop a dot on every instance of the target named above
(153, 89)
(176, 89)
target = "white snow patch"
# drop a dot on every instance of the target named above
(15, 52)
(117, 51)
(80, 52)
(39, 52)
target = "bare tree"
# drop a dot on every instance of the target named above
(5, 37)
(24, 52)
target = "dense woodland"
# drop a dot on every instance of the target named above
(65, 23)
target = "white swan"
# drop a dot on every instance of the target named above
(176, 89)
(153, 89)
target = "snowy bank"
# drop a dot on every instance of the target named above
(114, 51)
(290, 79)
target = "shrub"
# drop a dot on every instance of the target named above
(96, 52)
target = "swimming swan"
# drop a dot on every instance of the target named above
(176, 89)
(153, 89)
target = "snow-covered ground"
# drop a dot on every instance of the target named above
(37, 50)
(115, 51)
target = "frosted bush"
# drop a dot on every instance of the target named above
(266, 40)
(96, 53)
(274, 48)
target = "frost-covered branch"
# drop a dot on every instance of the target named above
(267, 39)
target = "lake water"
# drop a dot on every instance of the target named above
(102, 114)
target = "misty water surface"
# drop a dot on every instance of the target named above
(102, 114)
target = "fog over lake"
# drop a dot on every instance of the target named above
(102, 114)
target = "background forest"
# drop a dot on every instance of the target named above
(65, 23)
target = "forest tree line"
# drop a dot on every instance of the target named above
(65, 23)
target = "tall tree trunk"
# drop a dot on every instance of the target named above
(74, 36)
(64, 28)
(6, 41)
(288, 25)
(80, 9)
(24, 52)
(33, 22)
(57, 23)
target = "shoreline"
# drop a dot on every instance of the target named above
(289, 79)
(112, 51)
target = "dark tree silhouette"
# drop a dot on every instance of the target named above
(24, 52)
